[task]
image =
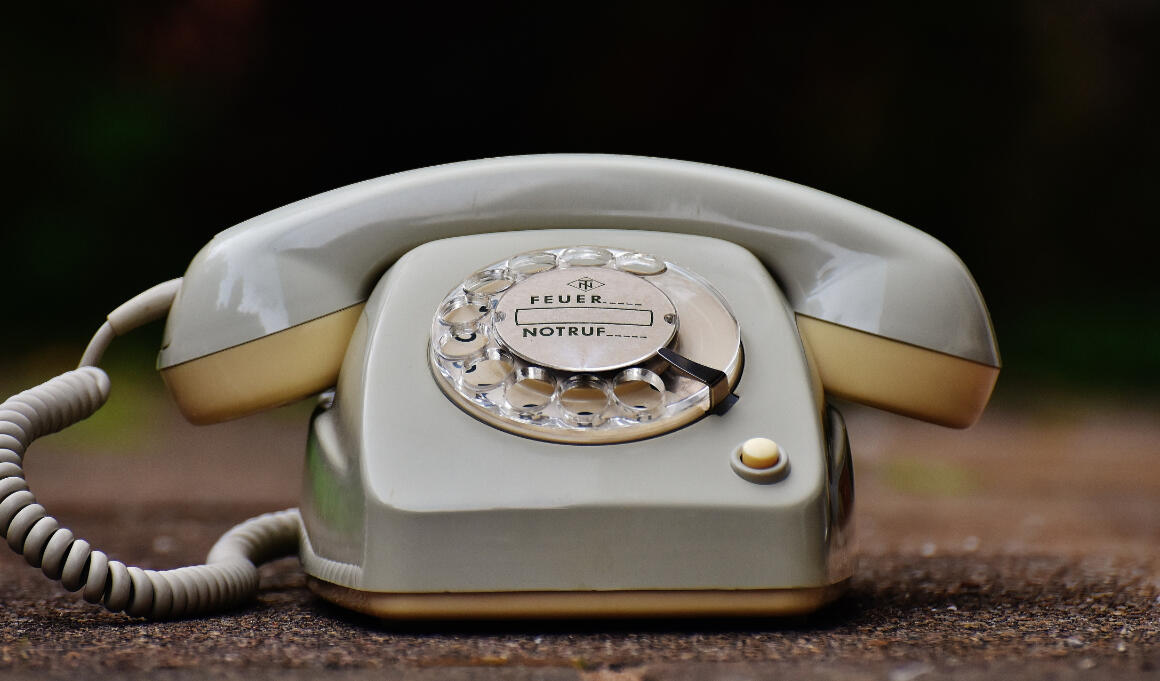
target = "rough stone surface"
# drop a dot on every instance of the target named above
(1025, 547)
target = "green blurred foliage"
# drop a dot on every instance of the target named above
(1022, 134)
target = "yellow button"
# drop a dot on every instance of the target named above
(760, 452)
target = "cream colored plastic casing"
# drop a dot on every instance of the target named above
(413, 508)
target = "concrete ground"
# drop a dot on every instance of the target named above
(1025, 547)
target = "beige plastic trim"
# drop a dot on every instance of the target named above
(897, 376)
(580, 604)
(263, 373)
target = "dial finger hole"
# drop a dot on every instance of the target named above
(639, 392)
(463, 311)
(584, 400)
(462, 344)
(586, 256)
(488, 372)
(639, 263)
(532, 263)
(488, 282)
(531, 391)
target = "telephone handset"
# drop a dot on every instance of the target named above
(683, 322)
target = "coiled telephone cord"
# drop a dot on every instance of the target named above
(230, 574)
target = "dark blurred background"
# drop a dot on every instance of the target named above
(1024, 135)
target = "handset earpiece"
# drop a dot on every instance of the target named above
(899, 377)
(263, 373)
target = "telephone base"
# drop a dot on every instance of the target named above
(504, 605)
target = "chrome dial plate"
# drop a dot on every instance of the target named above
(561, 344)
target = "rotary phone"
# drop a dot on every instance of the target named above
(551, 386)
